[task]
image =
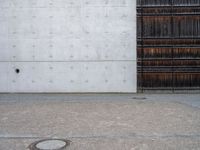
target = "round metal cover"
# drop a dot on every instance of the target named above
(50, 144)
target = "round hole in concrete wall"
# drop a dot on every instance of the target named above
(17, 70)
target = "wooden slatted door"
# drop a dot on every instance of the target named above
(168, 44)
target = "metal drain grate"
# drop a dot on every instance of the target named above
(50, 144)
(139, 98)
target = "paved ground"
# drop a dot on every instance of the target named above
(102, 122)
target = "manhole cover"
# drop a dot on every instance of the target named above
(50, 144)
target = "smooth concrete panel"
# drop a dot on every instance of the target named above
(68, 77)
(65, 3)
(36, 34)
(72, 49)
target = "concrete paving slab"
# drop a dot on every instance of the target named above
(113, 144)
(117, 122)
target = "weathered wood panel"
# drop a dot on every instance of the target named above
(168, 44)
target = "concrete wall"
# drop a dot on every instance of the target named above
(68, 46)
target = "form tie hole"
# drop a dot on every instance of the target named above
(17, 71)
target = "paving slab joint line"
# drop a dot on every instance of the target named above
(106, 136)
